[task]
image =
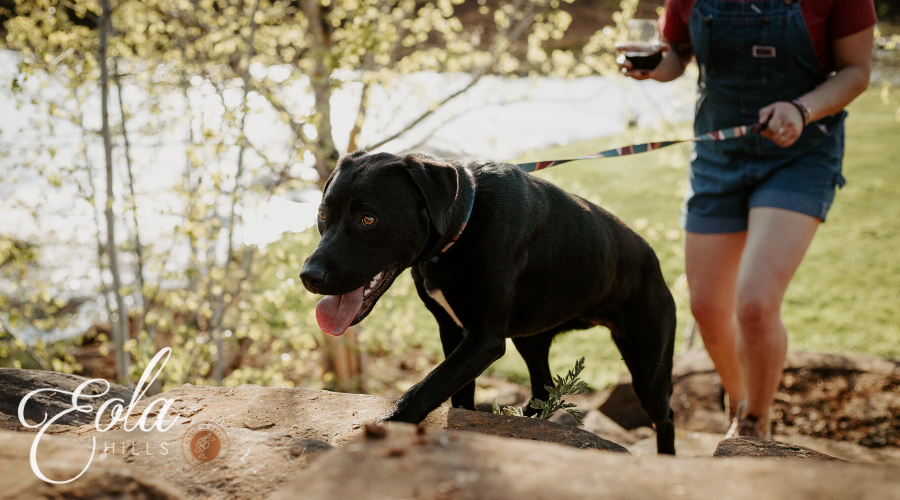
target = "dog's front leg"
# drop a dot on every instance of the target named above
(450, 339)
(451, 336)
(484, 314)
(474, 354)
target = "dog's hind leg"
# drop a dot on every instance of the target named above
(644, 332)
(534, 351)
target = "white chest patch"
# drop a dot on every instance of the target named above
(438, 297)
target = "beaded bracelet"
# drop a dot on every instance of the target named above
(804, 109)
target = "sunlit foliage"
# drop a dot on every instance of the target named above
(197, 69)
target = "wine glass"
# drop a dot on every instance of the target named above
(642, 47)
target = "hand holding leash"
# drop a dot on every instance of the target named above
(784, 123)
(762, 125)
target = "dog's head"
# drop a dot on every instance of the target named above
(379, 213)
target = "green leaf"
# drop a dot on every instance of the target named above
(571, 385)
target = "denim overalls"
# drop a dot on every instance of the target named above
(752, 54)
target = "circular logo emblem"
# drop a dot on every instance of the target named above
(205, 446)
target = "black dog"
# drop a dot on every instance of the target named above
(528, 261)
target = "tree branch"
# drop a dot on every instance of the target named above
(502, 40)
(360, 119)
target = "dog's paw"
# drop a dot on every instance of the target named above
(399, 414)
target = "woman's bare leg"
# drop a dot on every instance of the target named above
(711, 264)
(776, 242)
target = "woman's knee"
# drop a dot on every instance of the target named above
(711, 308)
(756, 311)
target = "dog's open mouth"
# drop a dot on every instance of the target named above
(336, 313)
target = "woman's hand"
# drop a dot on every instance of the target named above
(785, 123)
(638, 74)
(674, 59)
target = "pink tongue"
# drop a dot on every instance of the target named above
(335, 312)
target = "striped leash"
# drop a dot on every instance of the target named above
(718, 135)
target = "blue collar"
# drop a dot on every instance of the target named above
(456, 237)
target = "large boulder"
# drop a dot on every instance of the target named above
(15, 384)
(331, 417)
(59, 460)
(405, 462)
(272, 433)
(276, 434)
(704, 444)
(335, 417)
(260, 457)
(850, 452)
(257, 462)
(755, 448)
(597, 423)
(623, 407)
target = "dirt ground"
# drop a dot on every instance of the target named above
(842, 405)
(857, 407)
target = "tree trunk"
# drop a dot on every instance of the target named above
(344, 358)
(140, 320)
(245, 109)
(341, 353)
(120, 325)
(91, 196)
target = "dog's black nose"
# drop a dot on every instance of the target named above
(313, 276)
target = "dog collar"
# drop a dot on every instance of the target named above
(461, 228)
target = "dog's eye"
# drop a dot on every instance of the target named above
(368, 220)
(321, 215)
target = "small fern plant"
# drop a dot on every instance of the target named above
(570, 385)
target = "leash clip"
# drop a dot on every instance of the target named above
(761, 126)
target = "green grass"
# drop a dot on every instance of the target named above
(846, 294)
(844, 297)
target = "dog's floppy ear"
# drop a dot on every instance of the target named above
(438, 184)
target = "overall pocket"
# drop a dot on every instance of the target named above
(744, 48)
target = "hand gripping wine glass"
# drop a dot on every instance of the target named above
(643, 47)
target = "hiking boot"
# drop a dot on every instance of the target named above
(754, 427)
(734, 416)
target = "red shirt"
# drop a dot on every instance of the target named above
(826, 20)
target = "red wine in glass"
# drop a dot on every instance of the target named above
(643, 56)
(641, 47)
